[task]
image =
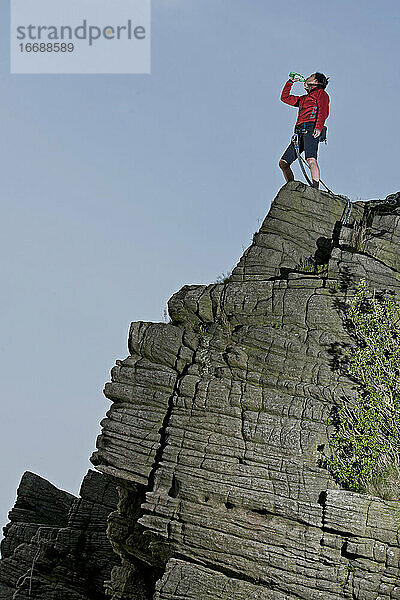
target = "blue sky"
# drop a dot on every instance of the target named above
(117, 190)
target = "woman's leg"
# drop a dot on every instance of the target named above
(287, 171)
(314, 171)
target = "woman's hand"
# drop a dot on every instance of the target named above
(316, 133)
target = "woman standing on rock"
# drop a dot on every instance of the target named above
(313, 111)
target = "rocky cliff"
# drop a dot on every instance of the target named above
(55, 546)
(218, 423)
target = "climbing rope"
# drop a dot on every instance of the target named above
(391, 201)
(295, 141)
(347, 214)
(302, 162)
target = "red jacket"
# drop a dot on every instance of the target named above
(313, 106)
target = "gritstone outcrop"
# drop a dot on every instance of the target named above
(55, 546)
(218, 423)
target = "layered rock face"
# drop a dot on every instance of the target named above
(55, 546)
(219, 420)
(215, 435)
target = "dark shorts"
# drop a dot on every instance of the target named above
(307, 143)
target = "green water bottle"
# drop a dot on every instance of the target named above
(292, 75)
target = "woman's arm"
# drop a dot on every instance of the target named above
(287, 97)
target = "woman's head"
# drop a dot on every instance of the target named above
(321, 79)
(316, 80)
